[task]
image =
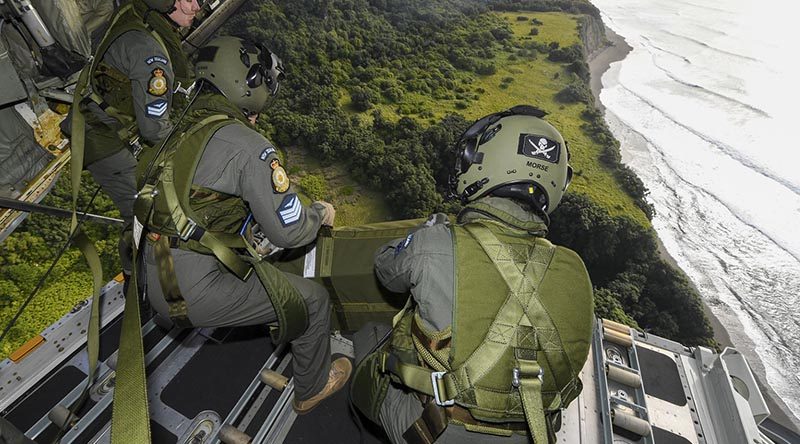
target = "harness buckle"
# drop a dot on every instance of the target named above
(188, 230)
(435, 378)
(516, 380)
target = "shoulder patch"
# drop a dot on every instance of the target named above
(157, 108)
(156, 59)
(265, 154)
(280, 180)
(403, 245)
(157, 85)
(289, 210)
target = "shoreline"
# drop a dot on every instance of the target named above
(599, 62)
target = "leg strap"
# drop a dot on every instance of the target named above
(178, 311)
(427, 428)
(529, 383)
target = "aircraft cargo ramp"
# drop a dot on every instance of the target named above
(206, 384)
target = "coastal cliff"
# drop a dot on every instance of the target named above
(593, 34)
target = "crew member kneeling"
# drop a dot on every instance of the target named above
(214, 172)
(499, 324)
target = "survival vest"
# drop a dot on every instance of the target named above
(110, 89)
(513, 356)
(183, 215)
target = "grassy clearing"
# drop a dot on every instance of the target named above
(533, 81)
(355, 205)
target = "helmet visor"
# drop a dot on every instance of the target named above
(255, 76)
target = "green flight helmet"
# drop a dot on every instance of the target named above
(163, 6)
(515, 154)
(244, 72)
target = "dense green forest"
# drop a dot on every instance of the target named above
(377, 92)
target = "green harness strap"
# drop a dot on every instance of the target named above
(170, 195)
(520, 308)
(89, 252)
(130, 418)
(528, 375)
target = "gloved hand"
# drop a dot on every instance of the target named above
(329, 213)
(437, 218)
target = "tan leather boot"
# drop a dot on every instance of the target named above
(337, 378)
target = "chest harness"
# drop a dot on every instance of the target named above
(502, 368)
(110, 89)
(179, 214)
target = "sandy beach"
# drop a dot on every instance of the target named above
(599, 62)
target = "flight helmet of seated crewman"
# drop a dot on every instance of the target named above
(246, 73)
(513, 154)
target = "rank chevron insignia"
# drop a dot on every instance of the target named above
(157, 108)
(289, 210)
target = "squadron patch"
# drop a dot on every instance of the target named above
(157, 108)
(265, 154)
(290, 209)
(157, 86)
(280, 181)
(156, 59)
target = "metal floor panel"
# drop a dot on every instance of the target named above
(218, 373)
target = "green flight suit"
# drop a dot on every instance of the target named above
(237, 162)
(138, 59)
(423, 264)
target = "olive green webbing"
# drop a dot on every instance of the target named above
(130, 419)
(89, 252)
(87, 248)
(530, 390)
(289, 305)
(175, 183)
(522, 307)
(169, 283)
(522, 276)
(177, 192)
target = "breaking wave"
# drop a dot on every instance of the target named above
(713, 48)
(707, 130)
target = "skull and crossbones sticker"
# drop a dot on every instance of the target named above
(539, 147)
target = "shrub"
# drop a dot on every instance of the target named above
(362, 98)
(314, 186)
(580, 68)
(486, 69)
(574, 93)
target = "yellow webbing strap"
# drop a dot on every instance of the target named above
(130, 419)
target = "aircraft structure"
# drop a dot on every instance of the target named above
(232, 385)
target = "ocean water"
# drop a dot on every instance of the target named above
(707, 108)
